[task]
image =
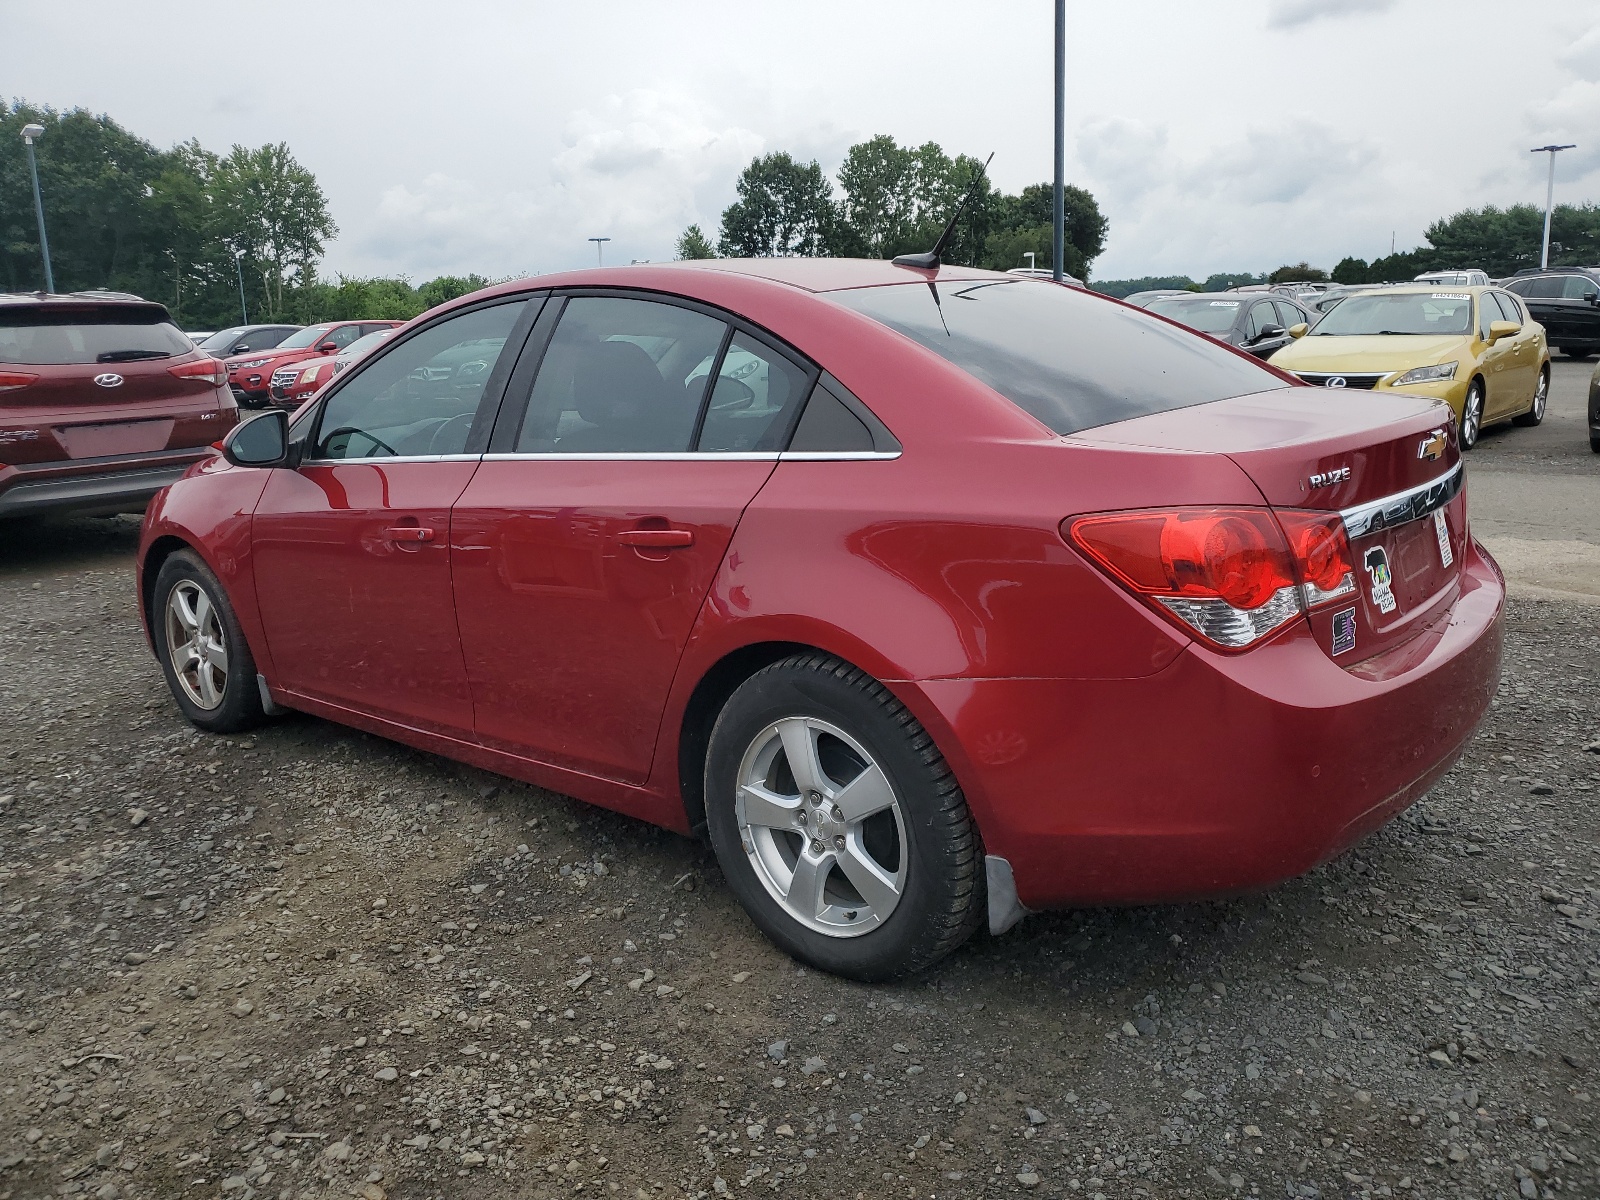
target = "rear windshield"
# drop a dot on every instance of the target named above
(1069, 358)
(1208, 316)
(48, 337)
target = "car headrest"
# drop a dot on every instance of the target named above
(615, 382)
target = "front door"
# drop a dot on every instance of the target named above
(584, 548)
(352, 549)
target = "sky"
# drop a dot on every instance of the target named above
(497, 138)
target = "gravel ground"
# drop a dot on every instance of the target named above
(308, 962)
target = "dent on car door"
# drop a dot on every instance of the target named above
(631, 440)
(352, 547)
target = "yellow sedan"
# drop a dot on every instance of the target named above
(1474, 348)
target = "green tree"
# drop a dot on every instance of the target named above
(1027, 222)
(784, 208)
(898, 199)
(1127, 287)
(1223, 280)
(447, 287)
(1300, 272)
(1350, 270)
(694, 244)
(275, 213)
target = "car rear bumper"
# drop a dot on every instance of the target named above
(92, 485)
(1219, 773)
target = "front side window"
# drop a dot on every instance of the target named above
(1509, 306)
(1545, 287)
(1261, 316)
(621, 376)
(343, 336)
(301, 338)
(756, 394)
(1398, 312)
(421, 397)
(1070, 359)
(1288, 315)
(1576, 287)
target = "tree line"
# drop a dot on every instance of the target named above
(185, 226)
(895, 199)
(1499, 241)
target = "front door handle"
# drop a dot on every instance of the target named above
(656, 539)
(409, 533)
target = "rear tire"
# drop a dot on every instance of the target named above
(1541, 400)
(870, 897)
(1580, 353)
(1594, 443)
(1472, 415)
(203, 654)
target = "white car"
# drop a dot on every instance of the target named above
(1468, 278)
(1042, 273)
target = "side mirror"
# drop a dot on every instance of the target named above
(1299, 331)
(1592, 297)
(1268, 332)
(262, 441)
(327, 347)
(1502, 329)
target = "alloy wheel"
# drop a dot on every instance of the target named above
(1541, 396)
(197, 643)
(1471, 417)
(822, 826)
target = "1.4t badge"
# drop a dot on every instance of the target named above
(1376, 560)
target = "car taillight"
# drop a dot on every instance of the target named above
(1321, 551)
(209, 369)
(10, 381)
(1229, 574)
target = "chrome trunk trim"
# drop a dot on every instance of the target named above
(1402, 507)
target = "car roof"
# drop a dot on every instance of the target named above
(1419, 288)
(96, 295)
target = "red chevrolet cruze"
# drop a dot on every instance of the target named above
(929, 596)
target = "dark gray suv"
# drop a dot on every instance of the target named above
(1566, 301)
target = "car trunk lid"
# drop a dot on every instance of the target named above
(1388, 463)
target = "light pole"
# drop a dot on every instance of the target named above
(600, 250)
(1549, 196)
(238, 262)
(29, 132)
(1058, 246)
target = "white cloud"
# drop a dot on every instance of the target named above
(1289, 14)
(1582, 57)
(635, 168)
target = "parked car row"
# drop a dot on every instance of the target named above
(250, 371)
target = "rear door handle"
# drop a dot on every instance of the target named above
(657, 539)
(409, 533)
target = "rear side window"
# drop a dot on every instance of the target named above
(52, 337)
(1070, 359)
(756, 394)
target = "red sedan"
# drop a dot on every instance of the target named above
(250, 373)
(929, 596)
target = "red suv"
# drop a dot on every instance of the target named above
(250, 374)
(103, 402)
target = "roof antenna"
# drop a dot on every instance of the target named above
(929, 260)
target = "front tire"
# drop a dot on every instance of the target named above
(838, 824)
(1472, 415)
(206, 661)
(1541, 400)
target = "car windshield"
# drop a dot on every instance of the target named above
(1398, 312)
(362, 344)
(306, 337)
(1071, 359)
(1208, 316)
(51, 336)
(223, 338)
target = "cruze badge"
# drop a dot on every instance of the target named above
(1377, 563)
(108, 380)
(1333, 381)
(1328, 478)
(1433, 445)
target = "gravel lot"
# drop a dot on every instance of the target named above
(308, 962)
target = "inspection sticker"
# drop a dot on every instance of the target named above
(1344, 631)
(1442, 532)
(1449, 296)
(1224, 304)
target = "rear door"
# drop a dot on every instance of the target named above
(352, 548)
(632, 437)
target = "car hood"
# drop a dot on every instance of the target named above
(1373, 352)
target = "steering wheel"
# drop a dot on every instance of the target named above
(377, 442)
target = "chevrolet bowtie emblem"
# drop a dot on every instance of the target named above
(1433, 445)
